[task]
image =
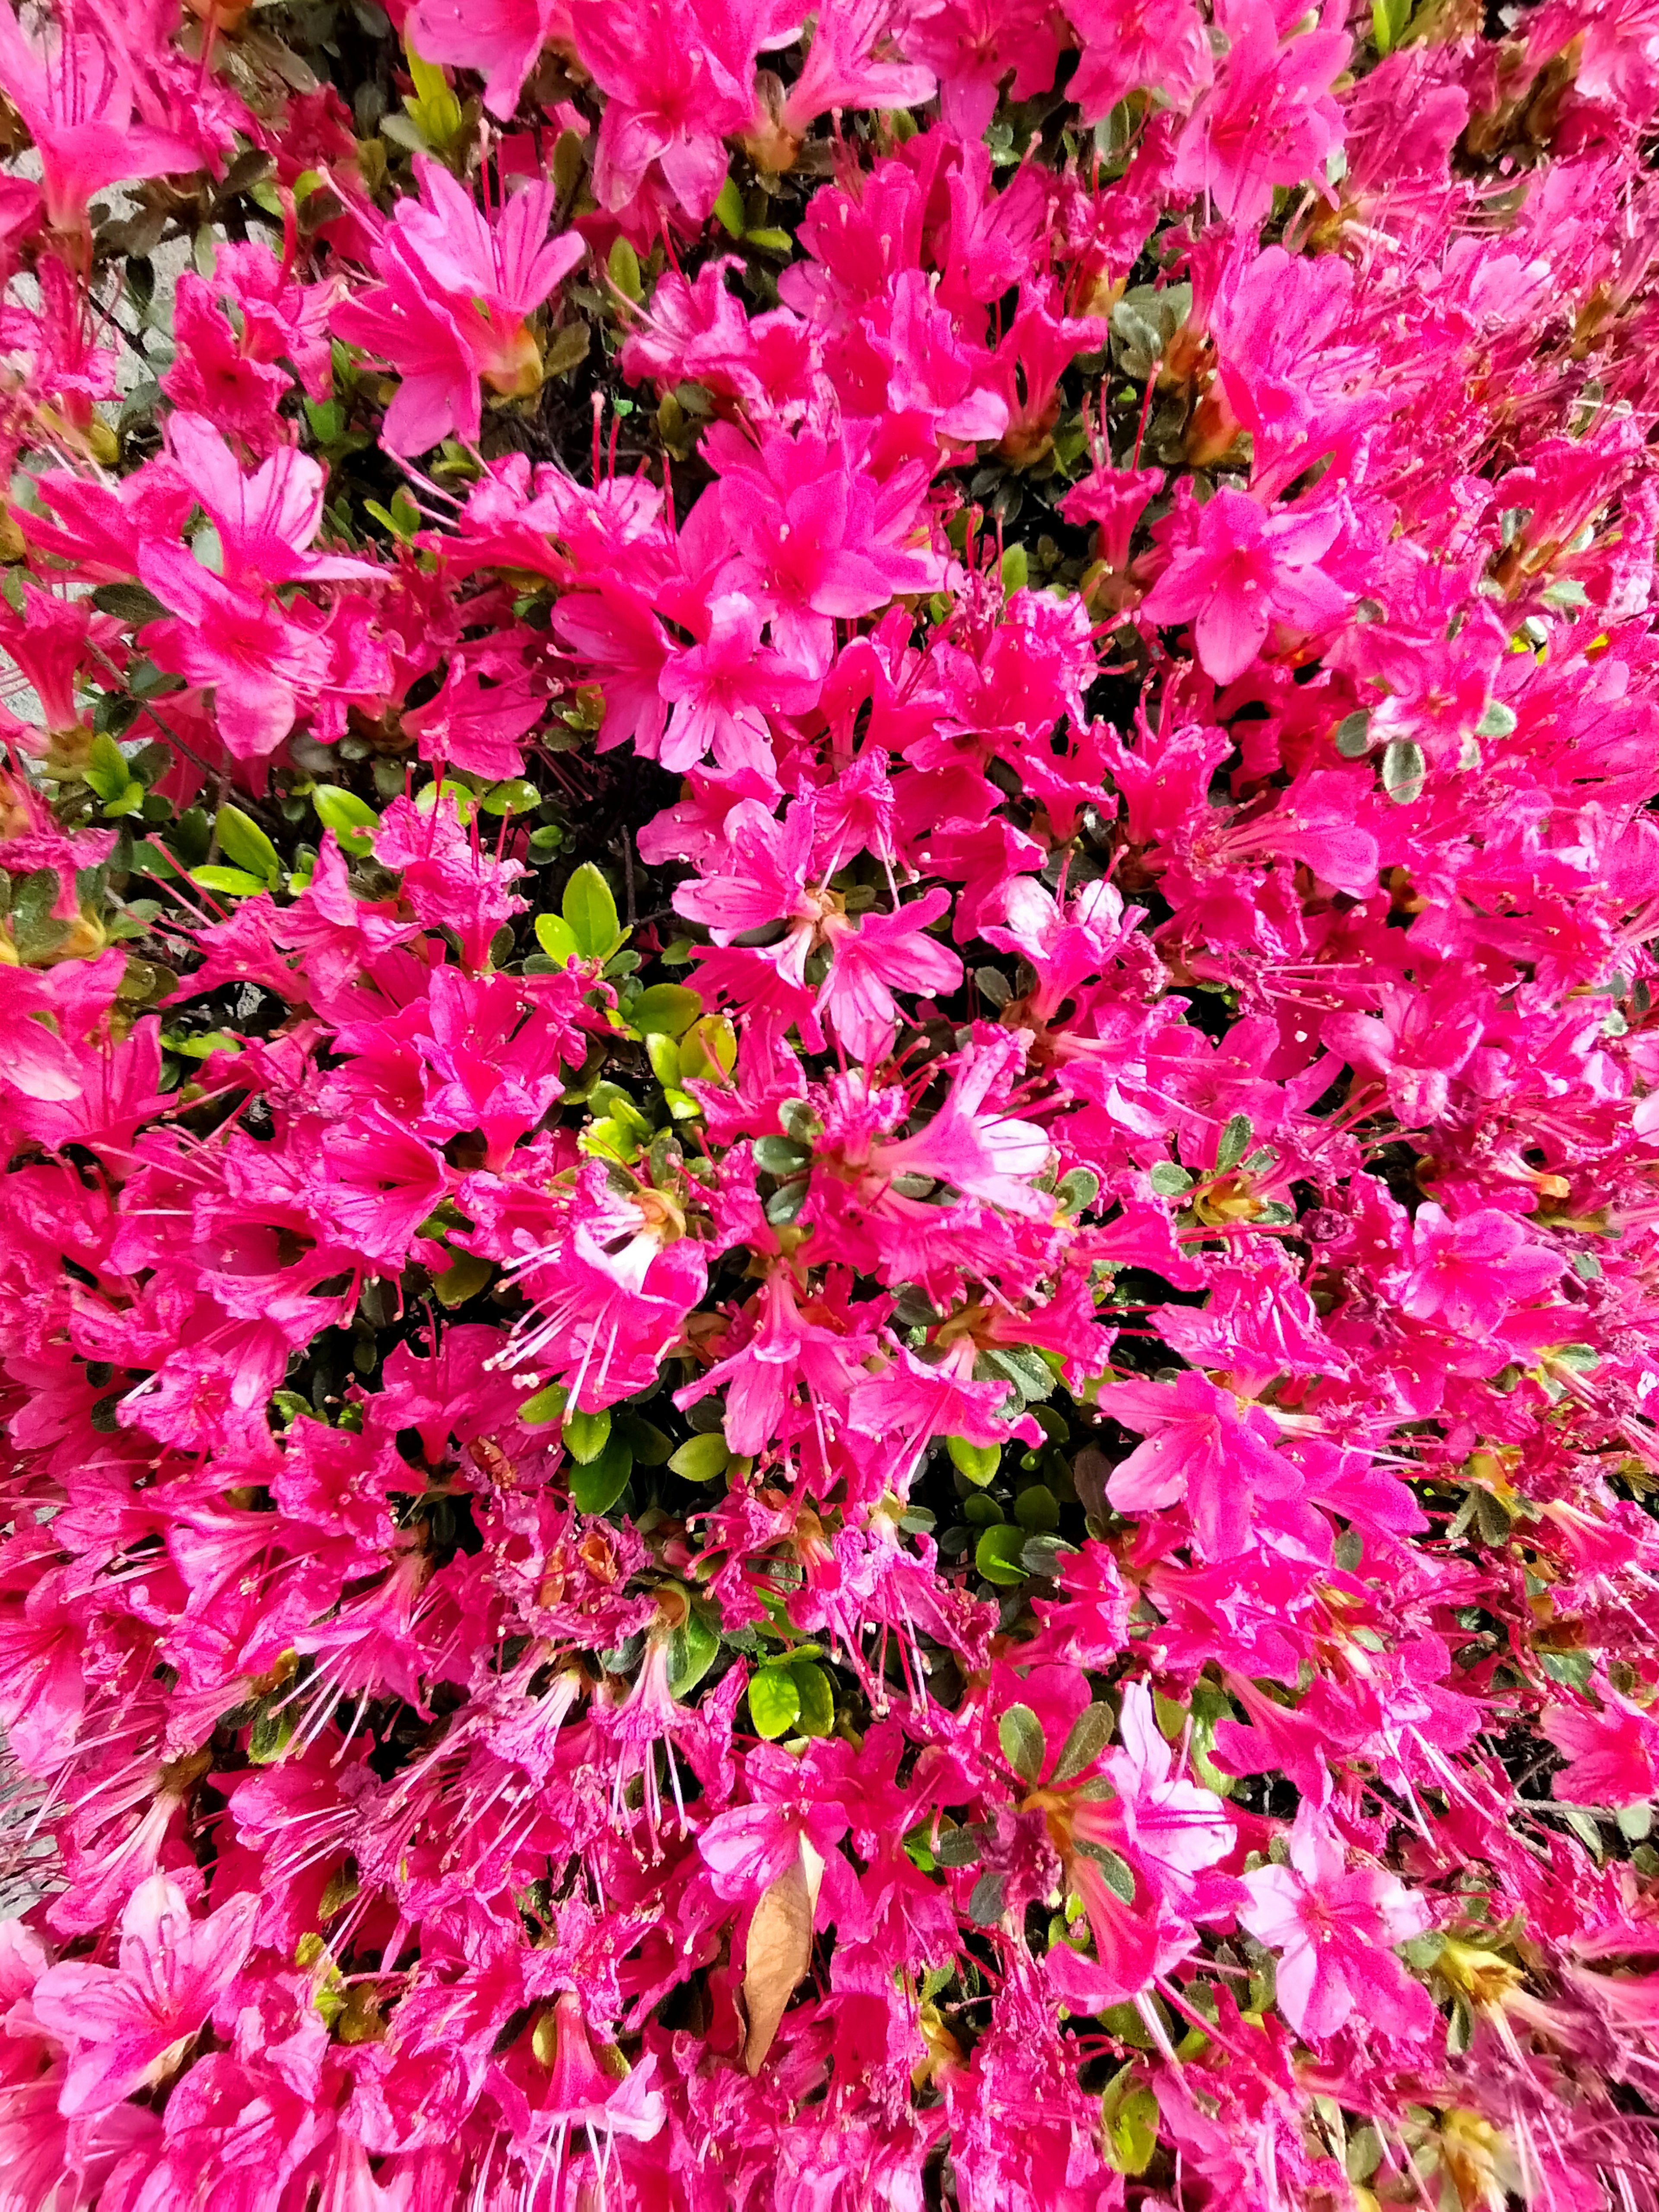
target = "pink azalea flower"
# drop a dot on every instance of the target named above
(842, 68)
(748, 1847)
(1271, 118)
(499, 38)
(1159, 43)
(724, 690)
(815, 538)
(872, 955)
(1334, 1930)
(128, 2025)
(1201, 1448)
(75, 91)
(449, 312)
(1468, 1273)
(1246, 570)
(677, 80)
(1612, 1755)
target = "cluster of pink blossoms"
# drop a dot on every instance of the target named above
(828, 1278)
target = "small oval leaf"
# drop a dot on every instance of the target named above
(1091, 1733)
(590, 912)
(244, 844)
(587, 1435)
(773, 1702)
(596, 1487)
(997, 1554)
(1023, 1747)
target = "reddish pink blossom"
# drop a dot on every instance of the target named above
(128, 2025)
(498, 39)
(1245, 570)
(1127, 43)
(677, 79)
(1334, 1928)
(449, 312)
(1201, 1447)
(74, 89)
(1468, 1272)
(1613, 1754)
(1271, 118)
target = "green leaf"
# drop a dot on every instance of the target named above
(1117, 1873)
(590, 913)
(546, 1405)
(818, 1697)
(1015, 569)
(557, 938)
(244, 844)
(353, 821)
(1168, 1179)
(728, 209)
(107, 771)
(997, 1554)
(975, 1463)
(703, 1458)
(516, 794)
(646, 1441)
(1091, 1733)
(786, 1203)
(961, 1847)
(1575, 1669)
(780, 1156)
(708, 1051)
(596, 1487)
(1233, 1142)
(434, 109)
(1024, 1746)
(1076, 1190)
(1132, 2119)
(622, 267)
(587, 1435)
(1021, 1365)
(1583, 1824)
(773, 1702)
(665, 1010)
(464, 1278)
(986, 1904)
(692, 1650)
(663, 1055)
(267, 1738)
(1037, 1509)
(1403, 769)
(128, 603)
(234, 882)
(1354, 735)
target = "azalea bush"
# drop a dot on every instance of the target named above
(828, 1281)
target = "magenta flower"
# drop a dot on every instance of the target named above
(75, 90)
(1201, 1448)
(449, 312)
(677, 80)
(1468, 1273)
(498, 39)
(1246, 569)
(816, 539)
(129, 2024)
(1270, 119)
(1612, 1755)
(1334, 1930)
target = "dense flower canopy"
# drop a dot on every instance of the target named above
(829, 1280)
